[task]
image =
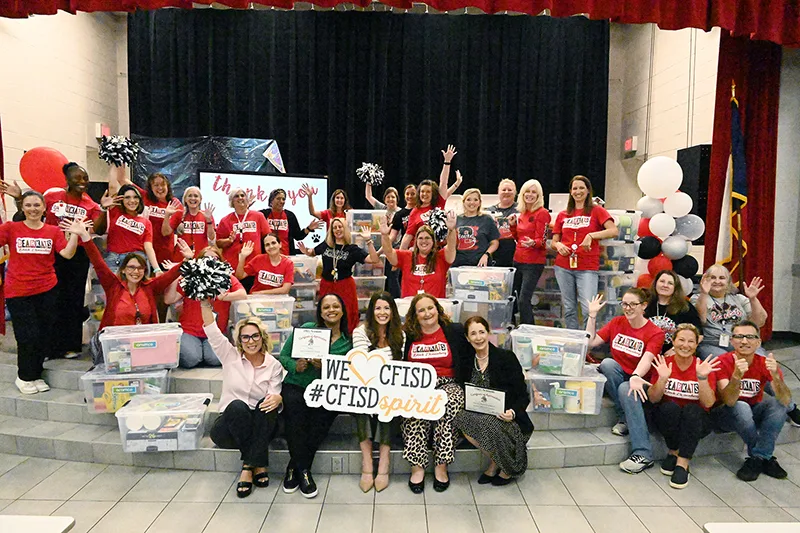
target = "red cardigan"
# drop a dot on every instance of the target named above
(115, 287)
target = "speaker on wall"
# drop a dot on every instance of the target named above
(696, 164)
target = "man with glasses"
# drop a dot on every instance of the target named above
(756, 417)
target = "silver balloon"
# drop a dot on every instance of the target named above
(687, 285)
(690, 226)
(649, 206)
(675, 247)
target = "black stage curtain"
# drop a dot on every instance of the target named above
(520, 97)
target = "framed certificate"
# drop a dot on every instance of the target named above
(483, 400)
(311, 343)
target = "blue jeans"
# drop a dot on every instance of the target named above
(576, 286)
(195, 350)
(758, 426)
(528, 275)
(630, 410)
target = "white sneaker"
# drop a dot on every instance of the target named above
(620, 428)
(41, 385)
(26, 387)
(635, 464)
(72, 355)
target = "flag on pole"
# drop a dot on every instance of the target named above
(730, 244)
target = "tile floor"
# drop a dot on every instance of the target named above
(123, 499)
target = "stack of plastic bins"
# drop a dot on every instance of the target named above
(142, 347)
(305, 302)
(163, 423)
(627, 222)
(107, 392)
(452, 308)
(369, 278)
(553, 360)
(486, 292)
(366, 286)
(274, 311)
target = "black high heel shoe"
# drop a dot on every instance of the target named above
(261, 479)
(244, 488)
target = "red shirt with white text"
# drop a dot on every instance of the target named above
(629, 344)
(434, 350)
(573, 230)
(32, 255)
(267, 275)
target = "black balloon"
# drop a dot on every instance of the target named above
(686, 266)
(649, 247)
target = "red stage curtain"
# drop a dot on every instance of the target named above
(772, 20)
(756, 68)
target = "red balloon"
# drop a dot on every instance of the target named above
(644, 281)
(41, 167)
(659, 263)
(644, 228)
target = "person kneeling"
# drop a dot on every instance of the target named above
(251, 396)
(756, 417)
(682, 392)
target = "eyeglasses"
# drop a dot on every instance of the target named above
(255, 337)
(739, 336)
(134, 268)
(626, 305)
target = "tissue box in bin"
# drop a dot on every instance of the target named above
(305, 268)
(452, 308)
(571, 395)
(551, 350)
(482, 284)
(366, 287)
(360, 219)
(163, 422)
(107, 392)
(305, 295)
(142, 347)
(279, 338)
(617, 257)
(368, 269)
(499, 314)
(275, 311)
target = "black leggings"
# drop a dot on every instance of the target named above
(306, 427)
(71, 289)
(682, 427)
(33, 319)
(247, 430)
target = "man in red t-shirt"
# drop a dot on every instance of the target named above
(756, 417)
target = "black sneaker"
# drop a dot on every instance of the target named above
(751, 469)
(680, 478)
(668, 464)
(307, 486)
(290, 481)
(773, 469)
(794, 417)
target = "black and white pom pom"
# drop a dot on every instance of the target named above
(438, 223)
(370, 173)
(118, 150)
(205, 277)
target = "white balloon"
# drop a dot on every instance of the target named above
(659, 177)
(687, 285)
(674, 247)
(662, 225)
(678, 204)
(649, 206)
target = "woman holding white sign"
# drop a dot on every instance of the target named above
(381, 332)
(431, 338)
(502, 437)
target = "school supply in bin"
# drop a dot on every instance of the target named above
(360, 219)
(306, 269)
(452, 308)
(141, 347)
(499, 313)
(482, 284)
(107, 392)
(274, 311)
(554, 351)
(565, 394)
(163, 423)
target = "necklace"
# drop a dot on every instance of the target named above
(335, 272)
(658, 310)
(479, 361)
(240, 229)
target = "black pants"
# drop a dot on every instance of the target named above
(247, 430)
(525, 281)
(682, 427)
(33, 318)
(306, 427)
(392, 279)
(71, 288)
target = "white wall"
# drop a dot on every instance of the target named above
(60, 77)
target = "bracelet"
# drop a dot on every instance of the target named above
(592, 316)
(704, 378)
(446, 163)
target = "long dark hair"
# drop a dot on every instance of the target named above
(588, 204)
(344, 325)
(394, 329)
(126, 188)
(346, 207)
(412, 328)
(434, 192)
(677, 302)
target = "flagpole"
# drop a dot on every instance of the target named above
(739, 239)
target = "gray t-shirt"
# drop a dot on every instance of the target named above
(722, 314)
(474, 235)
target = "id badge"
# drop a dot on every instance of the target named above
(573, 261)
(725, 337)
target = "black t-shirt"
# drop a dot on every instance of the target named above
(504, 255)
(400, 220)
(346, 256)
(668, 323)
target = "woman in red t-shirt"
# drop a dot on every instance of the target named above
(529, 228)
(195, 348)
(30, 282)
(194, 225)
(273, 272)
(128, 231)
(339, 205)
(423, 269)
(682, 392)
(431, 338)
(243, 225)
(576, 236)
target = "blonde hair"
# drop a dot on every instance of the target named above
(522, 207)
(330, 240)
(468, 192)
(506, 180)
(266, 341)
(190, 189)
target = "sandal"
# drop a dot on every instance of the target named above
(261, 479)
(244, 488)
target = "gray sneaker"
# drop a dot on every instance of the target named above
(635, 464)
(620, 428)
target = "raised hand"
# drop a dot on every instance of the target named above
(251, 198)
(313, 225)
(107, 200)
(185, 250)
(365, 234)
(173, 207)
(705, 284)
(660, 364)
(146, 213)
(303, 248)
(384, 225)
(306, 188)
(596, 304)
(704, 368)
(459, 178)
(450, 153)
(772, 365)
(167, 264)
(451, 219)
(11, 189)
(755, 287)
(741, 368)
(637, 388)
(208, 211)
(247, 249)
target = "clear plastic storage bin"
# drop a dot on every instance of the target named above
(567, 395)
(365, 287)
(305, 295)
(627, 223)
(275, 311)
(142, 347)
(107, 392)
(278, 338)
(551, 350)
(300, 317)
(612, 285)
(163, 423)
(482, 284)
(618, 257)
(499, 314)
(501, 338)
(452, 308)
(306, 269)
(359, 219)
(368, 269)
